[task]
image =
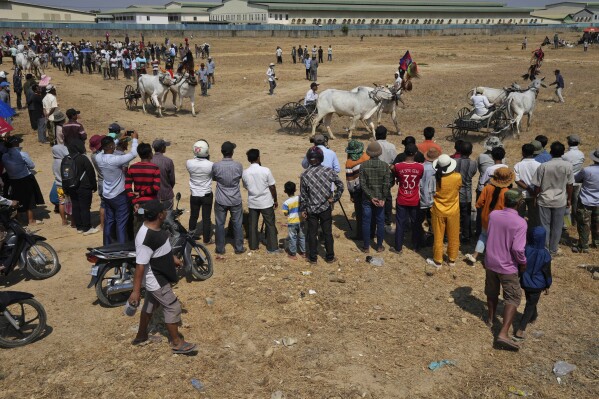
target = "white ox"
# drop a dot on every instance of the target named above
(29, 61)
(155, 88)
(183, 87)
(356, 104)
(383, 99)
(520, 104)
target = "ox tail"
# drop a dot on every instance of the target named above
(509, 107)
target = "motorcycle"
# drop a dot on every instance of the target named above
(25, 248)
(114, 265)
(22, 319)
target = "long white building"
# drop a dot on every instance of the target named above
(21, 11)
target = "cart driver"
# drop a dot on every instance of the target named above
(482, 107)
(311, 95)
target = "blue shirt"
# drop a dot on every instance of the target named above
(17, 163)
(543, 157)
(330, 160)
(111, 166)
(589, 192)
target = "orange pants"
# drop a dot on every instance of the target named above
(442, 225)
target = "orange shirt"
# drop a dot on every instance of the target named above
(427, 145)
(484, 202)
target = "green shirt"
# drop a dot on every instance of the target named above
(375, 179)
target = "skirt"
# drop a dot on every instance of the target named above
(27, 192)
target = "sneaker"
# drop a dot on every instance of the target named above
(276, 251)
(451, 264)
(240, 252)
(332, 260)
(91, 231)
(80, 231)
(471, 260)
(431, 262)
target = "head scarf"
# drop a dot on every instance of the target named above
(537, 256)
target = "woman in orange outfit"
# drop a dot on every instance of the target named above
(446, 211)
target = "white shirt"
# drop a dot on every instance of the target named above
(481, 104)
(143, 255)
(398, 82)
(389, 151)
(48, 103)
(257, 180)
(311, 96)
(271, 74)
(525, 170)
(575, 157)
(200, 176)
(279, 52)
(484, 179)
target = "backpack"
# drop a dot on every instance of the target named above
(69, 173)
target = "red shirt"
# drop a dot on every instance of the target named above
(408, 175)
(142, 182)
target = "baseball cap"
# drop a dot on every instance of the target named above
(319, 139)
(4, 84)
(314, 84)
(538, 147)
(227, 147)
(152, 208)
(115, 127)
(49, 87)
(72, 112)
(159, 143)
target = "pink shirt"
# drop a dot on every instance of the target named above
(506, 242)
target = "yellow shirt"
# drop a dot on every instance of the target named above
(447, 198)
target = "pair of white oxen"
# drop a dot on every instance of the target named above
(157, 87)
(28, 61)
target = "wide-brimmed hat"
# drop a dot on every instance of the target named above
(59, 116)
(445, 163)
(595, 155)
(374, 149)
(492, 142)
(538, 147)
(354, 147)
(432, 154)
(503, 177)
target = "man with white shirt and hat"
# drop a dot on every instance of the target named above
(271, 78)
(311, 95)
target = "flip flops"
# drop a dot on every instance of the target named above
(507, 344)
(184, 348)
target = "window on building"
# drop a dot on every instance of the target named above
(286, 17)
(276, 17)
(148, 18)
(270, 16)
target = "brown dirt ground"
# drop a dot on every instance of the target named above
(372, 336)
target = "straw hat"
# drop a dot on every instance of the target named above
(503, 177)
(445, 162)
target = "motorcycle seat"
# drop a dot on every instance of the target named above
(116, 247)
(7, 298)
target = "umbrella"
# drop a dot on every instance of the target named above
(592, 30)
(5, 127)
(86, 50)
(5, 110)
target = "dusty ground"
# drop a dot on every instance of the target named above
(372, 336)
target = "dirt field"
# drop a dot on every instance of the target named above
(372, 336)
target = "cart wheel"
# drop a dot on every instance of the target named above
(304, 117)
(457, 133)
(501, 124)
(288, 116)
(463, 113)
(130, 97)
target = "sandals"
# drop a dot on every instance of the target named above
(507, 344)
(184, 348)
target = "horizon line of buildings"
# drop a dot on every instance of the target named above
(313, 12)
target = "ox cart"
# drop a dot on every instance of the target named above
(295, 116)
(495, 123)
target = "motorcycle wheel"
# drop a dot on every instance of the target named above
(201, 261)
(104, 281)
(42, 260)
(31, 317)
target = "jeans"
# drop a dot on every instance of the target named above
(575, 194)
(325, 220)
(220, 215)
(205, 205)
(41, 130)
(587, 224)
(552, 219)
(272, 84)
(268, 216)
(466, 220)
(116, 214)
(329, 57)
(296, 239)
(81, 199)
(308, 73)
(482, 242)
(402, 215)
(530, 310)
(369, 210)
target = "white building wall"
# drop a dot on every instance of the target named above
(151, 19)
(198, 18)
(25, 12)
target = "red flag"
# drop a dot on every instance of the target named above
(5, 127)
(405, 61)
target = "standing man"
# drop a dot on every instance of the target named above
(388, 156)
(428, 143)
(270, 72)
(559, 86)
(576, 158)
(467, 168)
(167, 172)
(504, 259)
(553, 187)
(50, 104)
(541, 154)
(320, 53)
(555, 41)
(525, 171)
(17, 86)
(203, 78)
(524, 43)
(227, 173)
(330, 54)
(211, 69)
(73, 130)
(307, 62)
(262, 200)
(355, 157)
(95, 146)
(279, 54)
(330, 158)
(587, 211)
(375, 183)
(314, 69)
(294, 54)
(113, 188)
(316, 199)
(200, 184)
(82, 192)
(142, 183)
(156, 267)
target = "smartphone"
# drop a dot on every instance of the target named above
(128, 132)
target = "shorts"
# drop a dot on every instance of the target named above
(61, 195)
(512, 292)
(167, 299)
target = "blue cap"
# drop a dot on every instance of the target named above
(4, 84)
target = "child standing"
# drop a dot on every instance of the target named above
(536, 278)
(296, 236)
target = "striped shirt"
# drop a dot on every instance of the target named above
(352, 173)
(291, 210)
(142, 182)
